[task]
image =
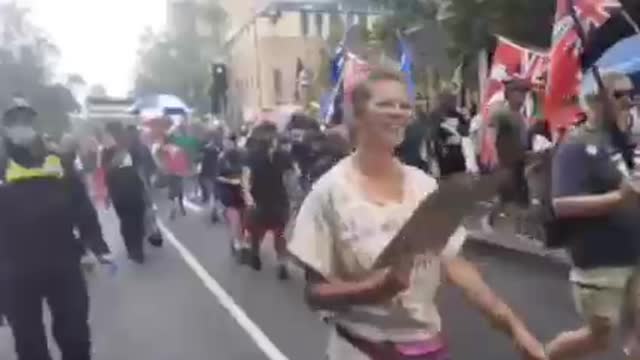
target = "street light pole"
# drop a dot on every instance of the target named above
(258, 63)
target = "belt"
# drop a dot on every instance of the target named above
(393, 351)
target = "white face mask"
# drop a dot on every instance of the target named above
(21, 135)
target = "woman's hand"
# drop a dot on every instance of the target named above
(528, 345)
(465, 276)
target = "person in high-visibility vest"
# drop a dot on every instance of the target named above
(42, 204)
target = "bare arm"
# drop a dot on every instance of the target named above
(335, 294)
(246, 186)
(227, 180)
(465, 276)
(584, 206)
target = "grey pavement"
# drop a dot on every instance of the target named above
(503, 235)
(159, 311)
(162, 311)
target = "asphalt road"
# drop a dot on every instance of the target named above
(173, 309)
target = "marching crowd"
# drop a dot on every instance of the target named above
(356, 184)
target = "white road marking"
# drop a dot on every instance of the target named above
(193, 206)
(256, 334)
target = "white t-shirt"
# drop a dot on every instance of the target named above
(340, 234)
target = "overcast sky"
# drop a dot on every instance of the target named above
(98, 38)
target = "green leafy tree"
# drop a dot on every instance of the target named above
(26, 67)
(472, 23)
(180, 65)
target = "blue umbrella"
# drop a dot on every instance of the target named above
(162, 104)
(623, 57)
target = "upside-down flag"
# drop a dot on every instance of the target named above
(510, 61)
(565, 73)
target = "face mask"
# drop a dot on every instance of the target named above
(21, 135)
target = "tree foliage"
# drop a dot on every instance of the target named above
(180, 64)
(472, 24)
(26, 67)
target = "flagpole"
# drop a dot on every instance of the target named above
(336, 88)
(609, 115)
(630, 20)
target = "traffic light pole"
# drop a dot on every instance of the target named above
(258, 64)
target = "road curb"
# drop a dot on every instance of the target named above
(557, 256)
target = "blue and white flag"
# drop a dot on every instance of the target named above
(337, 64)
(406, 66)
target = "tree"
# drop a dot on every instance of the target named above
(180, 65)
(98, 91)
(26, 66)
(472, 24)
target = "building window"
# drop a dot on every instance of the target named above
(363, 20)
(351, 19)
(277, 84)
(304, 23)
(320, 24)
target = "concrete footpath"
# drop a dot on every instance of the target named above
(504, 236)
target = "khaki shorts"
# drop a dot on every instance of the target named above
(594, 302)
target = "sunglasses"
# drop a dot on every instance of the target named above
(619, 94)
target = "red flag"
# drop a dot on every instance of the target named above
(510, 61)
(564, 68)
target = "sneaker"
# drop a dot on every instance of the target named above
(214, 217)
(243, 256)
(137, 258)
(283, 273)
(255, 262)
(486, 224)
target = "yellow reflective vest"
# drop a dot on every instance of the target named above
(51, 168)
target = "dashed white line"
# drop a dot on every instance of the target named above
(256, 334)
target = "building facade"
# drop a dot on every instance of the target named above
(269, 40)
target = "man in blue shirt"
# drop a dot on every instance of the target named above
(597, 205)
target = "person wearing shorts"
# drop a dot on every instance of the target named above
(230, 193)
(267, 197)
(596, 202)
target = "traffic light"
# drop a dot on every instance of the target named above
(219, 87)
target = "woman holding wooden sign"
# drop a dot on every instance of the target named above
(348, 219)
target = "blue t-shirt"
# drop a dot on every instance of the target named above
(586, 164)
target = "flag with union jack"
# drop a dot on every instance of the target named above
(510, 60)
(564, 74)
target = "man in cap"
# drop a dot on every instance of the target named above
(506, 120)
(42, 204)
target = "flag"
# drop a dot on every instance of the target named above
(334, 108)
(456, 79)
(617, 28)
(299, 70)
(565, 73)
(510, 60)
(356, 70)
(337, 64)
(406, 66)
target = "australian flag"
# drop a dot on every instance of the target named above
(406, 66)
(333, 113)
(337, 64)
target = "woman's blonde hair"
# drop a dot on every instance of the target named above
(362, 92)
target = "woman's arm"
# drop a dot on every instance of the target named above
(335, 294)
(584, 206)
(230, 181)
(465, 276)
(246, 186)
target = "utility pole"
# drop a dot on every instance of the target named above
(258, 63)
